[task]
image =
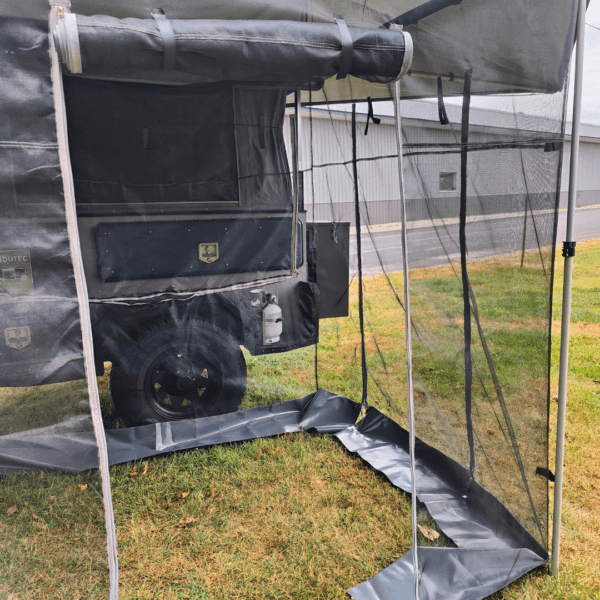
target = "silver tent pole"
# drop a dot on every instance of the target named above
(408, 335)
(568, 253)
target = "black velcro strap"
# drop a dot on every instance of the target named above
(553, 146)
(168, 37)
(441, 107)
(347, 46)
(568, 249)
(547, 473)
(371, 116)
(361, 313)
(462, 236)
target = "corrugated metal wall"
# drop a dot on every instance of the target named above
(588, 175)
(498, 181)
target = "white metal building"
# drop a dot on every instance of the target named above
(330, 193)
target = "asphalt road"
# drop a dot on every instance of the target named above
(430, 246)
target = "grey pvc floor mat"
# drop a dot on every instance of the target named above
(493, 549)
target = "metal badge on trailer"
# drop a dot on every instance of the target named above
(208, 253)
(17, 337)
(16, 277)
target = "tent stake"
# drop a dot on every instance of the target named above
(568, 253)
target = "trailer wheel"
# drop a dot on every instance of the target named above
(179, 371)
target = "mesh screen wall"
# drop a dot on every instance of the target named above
(236, 261)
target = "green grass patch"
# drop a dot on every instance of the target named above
(34, 407)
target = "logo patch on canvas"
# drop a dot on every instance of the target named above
(17, 337)
(16, 277)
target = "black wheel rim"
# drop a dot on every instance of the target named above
(183, 383)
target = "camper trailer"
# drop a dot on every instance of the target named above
(194, 240)
(191, 225)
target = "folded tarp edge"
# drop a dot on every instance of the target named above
(468, 514)
(76, 451)
(449, 573)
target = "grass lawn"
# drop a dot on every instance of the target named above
(297, 516)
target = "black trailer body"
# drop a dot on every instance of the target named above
(185, 210)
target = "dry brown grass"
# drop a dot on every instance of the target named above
(53, 546)
(580, 531)
(299, 517)
(292, 517)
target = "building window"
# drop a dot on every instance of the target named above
(448, 182)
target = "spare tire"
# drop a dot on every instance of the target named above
(179, 371)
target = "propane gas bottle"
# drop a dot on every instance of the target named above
(272, 322)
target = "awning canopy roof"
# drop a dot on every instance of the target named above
(510, 46)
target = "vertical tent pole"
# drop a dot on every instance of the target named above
(568, 253)
(408, 335)
(524, 225)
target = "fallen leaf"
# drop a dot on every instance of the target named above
(34, 516)
(185, 521)
(11, 510)
(82, 486)
(185, 494)
(492, 432)
(26, 504)
(52, 497)
(134, 472)
(430, 534)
